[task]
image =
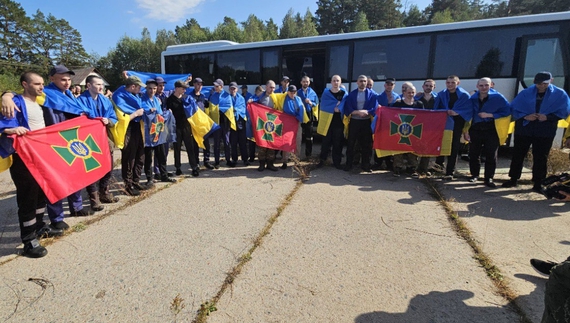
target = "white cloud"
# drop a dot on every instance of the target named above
(168, 10)
(130, 12)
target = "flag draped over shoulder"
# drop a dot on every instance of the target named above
(328, 103)
(170, 79)
(57, 100)
(273, 129)
(497, 105)
(201, 124)
(221, 103)
(404, 130)
(65, 157)
(555, 102)
(124, 103)
(311, 95)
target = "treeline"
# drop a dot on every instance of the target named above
(40, 41)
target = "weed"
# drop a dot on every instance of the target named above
(176, 306)
(79, 227)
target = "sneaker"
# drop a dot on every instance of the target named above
(157, 177)
(49, 231)
(415, 175)
(179, 171)
(196, 172)
(473, 179)
(139, 187)
(284, 166)
(448, 177)
(231, 164)
(149, 183)
(396, 173)
(132, 191)
(246, 163)
(81, 212)
(489, 183)
(542, 267)
(167, 179)
(208, 165)
(510, 183)
(428, 174)
(366, 169)
(33, 249)
(60, 225)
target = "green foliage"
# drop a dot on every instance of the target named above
(253, 29)
(360, 23)
(9, 82)
(414, 17)
(228, 30)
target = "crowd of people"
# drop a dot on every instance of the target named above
(344, 119)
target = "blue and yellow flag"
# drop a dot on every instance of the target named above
(201, 124)
(221, 102)
(119, 130)
(328, 104)
(5, 163)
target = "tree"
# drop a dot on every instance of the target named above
(14, 44)
(191, 32)
(360, 23)
(69, 50)
(253, 29)
(228, 30)
(335, 16)
(306, 26)
(442, 17)
(414, 17)
(45, 40)
(271, 30)
(289, 26)
(381, 14)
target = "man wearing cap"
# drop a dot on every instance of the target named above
(176, 103)
(284, 85)
(153, 112)
(311, 101)
(162, 95)
(238, 136)
(127, 100)
(266, 156)
(222, 112)
(202, 103)
(360, 107)
(98, 106)
(293, 105)
(246, 95)
(536, 111)
(386, 99)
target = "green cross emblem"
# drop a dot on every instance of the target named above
(76, 148)
(405, 129)
(269, 127)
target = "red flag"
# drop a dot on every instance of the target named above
(273, 129)
(400, 130)
(67, 156)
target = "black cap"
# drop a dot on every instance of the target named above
(292, 88)
(542, 77)
(180, 84)
(285, 78)
(159, 80)
(60, 69)
(233, 84)
(198, 80)
(390, 80)
(151, 81)
(219, 82)
(244, 86)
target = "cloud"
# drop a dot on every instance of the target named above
(168, 10)
(130, 12)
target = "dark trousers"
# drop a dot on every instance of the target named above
(166, 147)
(55, 210)
(205, 151)
(334, 139)
(238, 137)
(540, 150)
(132, 154)
(102, 185)
(458, 125)
(222, 134)
(30, 199)
(484, 139)
(359, 132)
(184, 135)
(251, 147)
(158, 155)
(307, 138)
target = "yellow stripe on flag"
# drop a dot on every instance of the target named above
(502, 125)
(201, 125)
(5, 163)
(324, 123)
(119, 130)
(230, 115)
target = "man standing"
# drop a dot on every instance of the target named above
(162, 95)
(293, 105)
(360, 106)
(331, 126)
(238, 136)
(488, 105)
(221, 111)
(456, 101)
(29, 196)
(98, 106)
(246, 95)
(284, 85)
(202, 103)
(536, 111)
(266, 156)
(127, 100)
(370, 85)
(176, 103)
(427, 97)
(311, 101)
(386, 99)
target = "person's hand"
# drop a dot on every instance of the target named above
(248, 101)
(20, 131)
(139, 112)
(485, 115)
(152, 109)
(124, 75)
(452, 113)
(566, 196)
(531, 117)
(105, 121)
(307, 100)
(466, 136)
(541, 117)
(8, 105)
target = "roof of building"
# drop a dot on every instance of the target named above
(82, 73)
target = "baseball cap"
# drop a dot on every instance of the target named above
(151, 81)
(542, 77)
(60, 69)
(219, 82)
(159, 80)
(198, 80)
(390, 80)
(292, 88)
(285, 78)
(233, 84)
(180, 84)
(244, 86)
(134, 80)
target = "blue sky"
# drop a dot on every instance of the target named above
(102, 23)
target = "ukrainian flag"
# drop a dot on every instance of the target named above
(326, 111)
(119, 130)
(201, 124)
(5, 163)
(221, 103)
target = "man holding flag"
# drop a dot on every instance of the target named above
(238, 136)
(311, 102)
(98, 106)
(220, 109)
(330, 122)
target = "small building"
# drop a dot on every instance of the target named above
(82, 73)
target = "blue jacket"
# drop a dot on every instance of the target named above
(369, 105)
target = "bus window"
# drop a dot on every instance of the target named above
(338, 61)
(543, 55)
(239, 66)
(270, 66)
(402, 57)
(475, 54)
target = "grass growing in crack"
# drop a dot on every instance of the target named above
(176, 306)
(492, 271)
(79, 227)
(210, 306)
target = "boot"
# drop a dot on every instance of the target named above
(107, 198)
(261, 166)
(271, 167)
(95, 202)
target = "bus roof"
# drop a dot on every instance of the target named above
(222, 45)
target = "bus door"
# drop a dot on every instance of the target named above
(540, 53)
(298, 61)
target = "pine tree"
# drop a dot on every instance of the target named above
(289, 26)
(306, 26)
(191, 32)
(227, 30)
(360, 23)
(253, 29)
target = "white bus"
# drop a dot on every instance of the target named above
(509, 50)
